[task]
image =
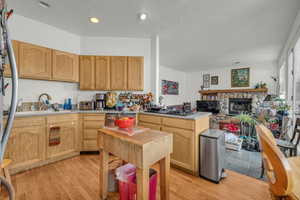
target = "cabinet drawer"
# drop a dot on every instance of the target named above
(29, 121)
(62, 118)
(94, 117)
(93, 124)
(179, 123)
(151, 126)
(90, 134)
(150, 119)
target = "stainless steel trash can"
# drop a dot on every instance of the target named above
(212, 152)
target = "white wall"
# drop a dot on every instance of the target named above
(258, 72)
(169, 74)
(28, 30)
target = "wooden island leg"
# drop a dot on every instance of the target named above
(103, 174)
(164, 178)
(142, 176)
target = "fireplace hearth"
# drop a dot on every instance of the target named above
(240, 105)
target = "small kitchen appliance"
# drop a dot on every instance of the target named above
(100, 101)
(86, 105)
(212, 150)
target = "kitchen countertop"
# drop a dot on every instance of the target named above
(194, 116)
(50, 112)
(44, 113)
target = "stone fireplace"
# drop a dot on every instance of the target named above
(233, 101)
(239, 105)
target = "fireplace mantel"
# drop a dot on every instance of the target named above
(215, 92)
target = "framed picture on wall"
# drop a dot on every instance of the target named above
(169, 87)
(206, 80)
(214, 80)
(240, 77)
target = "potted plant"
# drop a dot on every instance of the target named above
(282, 107)
(247, 123)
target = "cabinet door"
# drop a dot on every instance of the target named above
(65, 66)
(35, 61)
(183, 147)
(7, 71)
(26, 146)
(87, 73)
(67, 132)
(102, 73)
(118, 73)
(135, 73)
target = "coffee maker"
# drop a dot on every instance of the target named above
(100, 101)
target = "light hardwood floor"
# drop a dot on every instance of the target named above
(77, 179)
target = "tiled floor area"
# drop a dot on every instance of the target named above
(244, 162)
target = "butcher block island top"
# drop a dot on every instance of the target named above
(142, 150)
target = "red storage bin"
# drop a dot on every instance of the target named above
(127, 182)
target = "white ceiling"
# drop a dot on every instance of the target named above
(194, 34)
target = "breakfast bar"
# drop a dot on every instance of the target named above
(142, 150)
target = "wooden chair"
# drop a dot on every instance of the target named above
(291, 145)
(4, 174)
(283, 174)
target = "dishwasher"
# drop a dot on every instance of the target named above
(212, 152)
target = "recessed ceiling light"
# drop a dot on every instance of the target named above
(94, 20)
(143, 16)
(237, 62)
(44, 4)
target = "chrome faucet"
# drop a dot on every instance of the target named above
(45, 104)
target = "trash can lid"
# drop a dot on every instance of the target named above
(213, 133)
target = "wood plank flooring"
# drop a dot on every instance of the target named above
(77, 179)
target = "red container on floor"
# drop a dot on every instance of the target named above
(128, 188)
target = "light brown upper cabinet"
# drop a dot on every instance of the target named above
(118, 72)
(135, 72)
(34, 61)
(7, 71)
(87, 72)
(65, 66)
(102, 73)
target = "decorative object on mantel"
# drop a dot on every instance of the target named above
(169, 87)
(240, 77)
(215, 80)
(260, 85)
(206, 80)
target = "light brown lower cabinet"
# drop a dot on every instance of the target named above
(28, 145)
(66, 127)
(183, 152)
(91, 124)
(185, 138)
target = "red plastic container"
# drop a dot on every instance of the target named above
(125, 123)
(128, 189)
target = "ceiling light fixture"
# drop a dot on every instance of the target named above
(44, 4)
(143, 16)
(94, 20)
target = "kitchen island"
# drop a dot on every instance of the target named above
(185, 130)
